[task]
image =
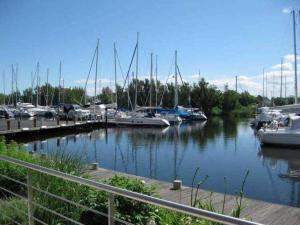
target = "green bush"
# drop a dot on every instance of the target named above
(8, 211)
(128, 210)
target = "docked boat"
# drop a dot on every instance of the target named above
(281, 136)
(140, 120)
(5, 112)
(265, 115)
(168, 114)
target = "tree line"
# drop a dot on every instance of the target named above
(200, 95)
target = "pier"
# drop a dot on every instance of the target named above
(255, 210)
(38, 128)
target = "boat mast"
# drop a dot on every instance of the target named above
(151, 74)
(4, 86)
(16, 80)
(59, 84)
(176, 85)
(37, 84)
(12, 84)
(136, 71)
(47, 88)
(295, 57)
(115, 62)
(156, 84)
(96, 76)
(263, 84)
(281, 78)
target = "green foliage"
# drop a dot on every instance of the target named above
(128, 210)
(11, 209)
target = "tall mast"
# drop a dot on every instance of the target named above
(267, 85)
(295, 57)
(59, 83)
(151, 74)
(16, 80)
(12, 84)
(176, 85)
(263, 93)
(281, 78)
(47, 88)
(96, 76)
(37, 84)
(236, 80)
(31, 97)
(136, 71)
(3, 75)
(115, 62)
(156, 85)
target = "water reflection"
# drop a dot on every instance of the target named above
(220, 147)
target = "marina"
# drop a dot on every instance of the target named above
(175, 152)
(150, 113)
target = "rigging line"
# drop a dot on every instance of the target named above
(88, 76)
(119, 64)
(180, 74)
(127, 76)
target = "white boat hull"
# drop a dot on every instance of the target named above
(280, 137)
(142, 121)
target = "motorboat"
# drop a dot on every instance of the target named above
(140, 120)
(281, 136)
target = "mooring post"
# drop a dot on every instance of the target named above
(106, 118)
(8, 124)
(67, 120)
(57, 120)
(19, 124)
(34, 122)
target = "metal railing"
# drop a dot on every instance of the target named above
(112, 192)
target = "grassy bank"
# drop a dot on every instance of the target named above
(128, 210)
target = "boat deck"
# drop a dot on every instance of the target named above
(255, 210)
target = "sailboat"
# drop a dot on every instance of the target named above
(290, 135)
(135, 118)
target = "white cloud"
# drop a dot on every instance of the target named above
(285, 66)
(287, 10)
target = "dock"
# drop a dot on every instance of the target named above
(14, 129)
(255, 210)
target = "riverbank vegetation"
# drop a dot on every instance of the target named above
(129, 210)
(202, 95)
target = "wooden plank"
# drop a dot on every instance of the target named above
(259, 211)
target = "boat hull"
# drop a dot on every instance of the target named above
(279, 137)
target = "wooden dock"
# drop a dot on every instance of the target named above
(36, 129)
(258, 211)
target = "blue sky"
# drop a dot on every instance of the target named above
(221, 38)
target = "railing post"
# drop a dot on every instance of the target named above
(111, 209)
(30, 197)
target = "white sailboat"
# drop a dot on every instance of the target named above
(290, 135)
(135, 118)
(284, 136)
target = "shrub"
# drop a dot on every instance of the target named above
(8, 211)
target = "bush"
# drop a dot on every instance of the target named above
(128, 210)
(8, 211)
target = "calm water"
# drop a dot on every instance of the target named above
(220, 148)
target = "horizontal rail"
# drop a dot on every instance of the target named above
(18, 210)
(59, 198)
(199, 213)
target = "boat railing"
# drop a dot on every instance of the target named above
(111, 191)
